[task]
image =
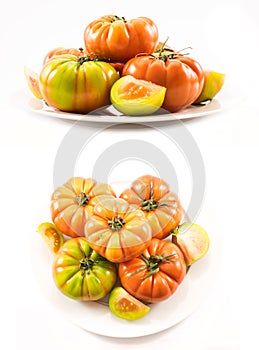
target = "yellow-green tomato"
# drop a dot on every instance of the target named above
(76, 84)
(125, 306)
(133, 96)
(82, 274)
(213, 83)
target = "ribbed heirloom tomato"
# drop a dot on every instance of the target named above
(72, 204)
(119, 39)
(63, 50)
(77, 84)
(82, 274)
(160, 205)
(155, 274)
(182, 76)
(117, 230)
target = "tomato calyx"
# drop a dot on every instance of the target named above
(83, 199)
(88, 58)
(165, 53)
(149, 205)
(86, 264)
(117, 18)
(152, 264)
(116, 223)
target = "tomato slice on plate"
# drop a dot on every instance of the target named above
(125, 306)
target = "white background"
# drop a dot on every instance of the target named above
(224, 36)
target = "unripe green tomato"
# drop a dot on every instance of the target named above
(76, 84)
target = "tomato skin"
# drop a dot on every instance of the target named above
(162, 209)
(78, 85)
(118, 66)
(80, 273)
(162, 284)
(119, 39)
(67, 213)
(117, 230)
(182, 76)
(63, 50)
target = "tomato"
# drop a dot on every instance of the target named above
(117, 230)
(161, 207)
(118, 66)
(136, 97)
(193, 240)
(77, 84)
(51, 235)
(182, 76)
(82, 274)
(125, 306)
(32, 79)
(119, 39)
(72, 204)
(155, 274)
(63, 50)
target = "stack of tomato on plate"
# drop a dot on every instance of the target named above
(132, 248)
(122, 63)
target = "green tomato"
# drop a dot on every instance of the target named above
(76, 84)
(133, 96)
(82, 274)
(125, 306)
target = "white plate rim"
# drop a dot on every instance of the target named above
(110, 115)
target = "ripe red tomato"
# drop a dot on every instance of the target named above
(117, 231)
(118, 39)
(182, 76)
(161, 207)
(155, 274)
(77, 84)
(72, 204)
(63, 50)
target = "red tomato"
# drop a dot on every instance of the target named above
(72, 204)
(119, 39)
(117, 230)
(155, 274)
(161, 207)
(182, 76)
(62, 50)
(118, 66)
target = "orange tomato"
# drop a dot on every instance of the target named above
(155, 274)
(182, 76)
(63, 50)
(117, 230)
(161, 207)
(72, 204)
(118, 39)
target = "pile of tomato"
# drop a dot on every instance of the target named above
(100, 240)
(80, 80)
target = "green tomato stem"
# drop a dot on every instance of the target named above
(116, 223)
(83, 199)
(152, 264)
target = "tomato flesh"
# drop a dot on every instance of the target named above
(125, 306)
(133, 96)
(52, 236)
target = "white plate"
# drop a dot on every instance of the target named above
(111, 115)
(96, 317)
